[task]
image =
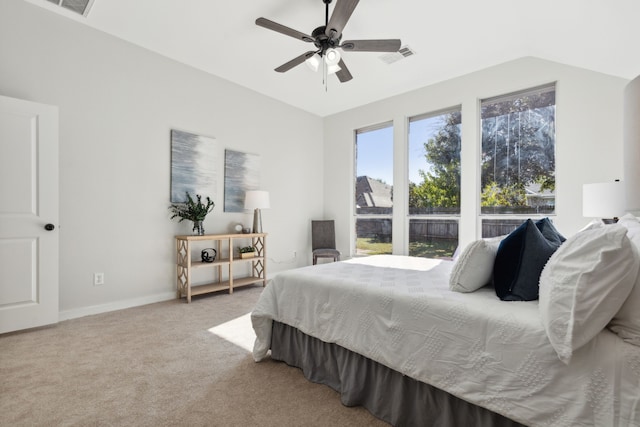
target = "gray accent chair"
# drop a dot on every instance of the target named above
(323, 240)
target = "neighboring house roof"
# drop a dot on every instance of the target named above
(371, 193)
(536, 197)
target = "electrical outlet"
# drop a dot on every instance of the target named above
(98, 279)
(295, 254)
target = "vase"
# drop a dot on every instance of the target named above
(198, 228)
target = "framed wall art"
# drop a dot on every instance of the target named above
(241, 173)
(193, 165)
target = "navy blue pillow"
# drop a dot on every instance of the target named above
(521, 257)
(549, 231)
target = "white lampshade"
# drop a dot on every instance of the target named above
(256, 199)
(332, 69)
(313, 62)
(603, 200)
(332, 57)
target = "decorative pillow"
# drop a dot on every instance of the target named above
(596, 223)
(584, 284)
(632, 224)
(473, 268)
(549, 231)
(521, 258)
(626, 323)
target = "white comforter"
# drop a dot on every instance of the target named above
(399, 312)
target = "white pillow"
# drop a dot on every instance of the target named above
(473, 269)
(626, 323)
(584, 284)
(632, 224)
(596, 223)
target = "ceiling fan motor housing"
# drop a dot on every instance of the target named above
(322, 41)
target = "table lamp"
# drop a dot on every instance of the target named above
(256, 200)
(605, 200)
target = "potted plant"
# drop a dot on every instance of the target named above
(193, 210)
(247, 252)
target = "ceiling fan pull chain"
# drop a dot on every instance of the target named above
(325, 76)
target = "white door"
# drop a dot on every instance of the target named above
(28, 208)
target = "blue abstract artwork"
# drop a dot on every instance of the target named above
(193, 162)
(241, 173)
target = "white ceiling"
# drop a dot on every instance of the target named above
(450, 38)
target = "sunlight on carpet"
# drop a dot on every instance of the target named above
(237, 331)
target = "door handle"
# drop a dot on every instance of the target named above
(49, 227)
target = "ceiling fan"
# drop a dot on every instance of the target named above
(327, 38)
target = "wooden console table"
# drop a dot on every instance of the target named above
(227, 258)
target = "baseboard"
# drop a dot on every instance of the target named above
(118, 305)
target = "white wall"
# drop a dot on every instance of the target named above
(631, 134)
(118, 103)
(588, 140)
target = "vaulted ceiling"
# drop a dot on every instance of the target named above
(449, 38)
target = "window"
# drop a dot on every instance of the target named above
(374, 189)
(518, 157)
(434, 183)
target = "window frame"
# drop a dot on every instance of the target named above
(481, 217)
(367, 216)
(434, 217)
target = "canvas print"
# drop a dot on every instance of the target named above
(241, 173)
(193, 161)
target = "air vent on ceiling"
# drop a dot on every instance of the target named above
(404, 52)
(79, 6)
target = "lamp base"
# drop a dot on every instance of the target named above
(257, 221)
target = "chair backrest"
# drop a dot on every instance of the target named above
(323, 235)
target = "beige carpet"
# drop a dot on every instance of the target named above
(165, 364)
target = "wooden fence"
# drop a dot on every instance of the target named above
(427, 229)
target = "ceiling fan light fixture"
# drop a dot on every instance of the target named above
(332, 57)
(313, 62)
(332, 69)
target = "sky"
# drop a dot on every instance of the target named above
(375, 150)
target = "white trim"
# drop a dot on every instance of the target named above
(113, 306)
(118, 305)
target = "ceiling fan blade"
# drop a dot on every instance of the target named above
(295, 61)
(343, 75)
(341, 14)
(270, 25)
(390, 45)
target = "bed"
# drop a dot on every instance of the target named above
(389, 334)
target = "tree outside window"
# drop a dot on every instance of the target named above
(518, 158)
(518, 153)
(434, 183)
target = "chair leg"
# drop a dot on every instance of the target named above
(315, 259)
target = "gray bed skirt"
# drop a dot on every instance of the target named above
(387, 394)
